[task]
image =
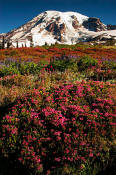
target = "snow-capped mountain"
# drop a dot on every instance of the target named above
(50, 27)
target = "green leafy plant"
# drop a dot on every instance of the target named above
(62, 65)
(8, 71)
(86, 62)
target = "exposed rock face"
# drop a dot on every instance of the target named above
(94, 24)
(55, 28)
(75, 22)
(101, 37)
(58, 19)
(111, 27)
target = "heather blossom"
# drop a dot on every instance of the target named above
(52, 129)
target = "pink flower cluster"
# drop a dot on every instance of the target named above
(61, 126)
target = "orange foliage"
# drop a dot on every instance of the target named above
(40, 53)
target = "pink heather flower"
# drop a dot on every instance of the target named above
(20, 159)
(94, 104)
(89, 89)
(37, 159)
(98, 154)
(82, 158)
(97, 110)
(57, 133)
(62, 120)
(23, 110)
(92, 94)
(98, 99)
(101, 104)
(110, 102)
(67, 151)
(8, 117)
(25, 142)
(63, 108)
(81, 167)
(113, 124)
(73, 119)
(47, 113)
(39, 167)
(107, 107)
(14, 131)
(33, 154)
(81, 118)
(95, 116)
(48, 172)
(58, 159)
(34, 138)
(58, 138)
(91, 155)
(106, 114)
(82, 143)
(48, 138)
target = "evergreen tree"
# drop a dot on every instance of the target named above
(31, 41)
(31, 44)
(46, 44)
(8, 44)
(17, 45)
(0, 45)
(3, 43)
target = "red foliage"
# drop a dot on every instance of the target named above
(37, 53)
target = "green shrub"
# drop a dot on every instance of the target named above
(85, 62)
(21, 68)
(62, 65)
(43, 62)
(8, 71)
(29, 68)
(109, 64)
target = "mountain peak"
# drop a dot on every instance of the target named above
(54, 26)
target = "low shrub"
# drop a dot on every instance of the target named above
(62, 64)
(10, 70)
(104, 71)
(29, 68)
(65, 130)
(12, 67)
(85, 62)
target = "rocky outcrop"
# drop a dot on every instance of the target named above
(102, 38)
(56, 28)
(94, 24)
(75, 22)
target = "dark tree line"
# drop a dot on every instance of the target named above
(2, 44)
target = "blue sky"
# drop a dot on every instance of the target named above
(14, 13)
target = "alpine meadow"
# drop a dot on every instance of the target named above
(58, 96)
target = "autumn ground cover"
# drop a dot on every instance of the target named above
(58, 110)
(47, 52)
